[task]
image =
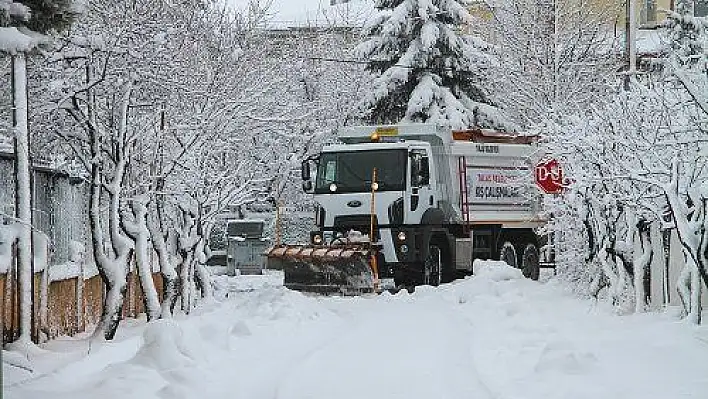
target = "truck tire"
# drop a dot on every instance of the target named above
(530, 262)
(433, 266)
(507, 254)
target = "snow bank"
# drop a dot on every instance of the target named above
(495, 270)
(16, 360)
(164, 346)
(248, 282)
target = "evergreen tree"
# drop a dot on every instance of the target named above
(688, 36)
(51, 15)
(43, 16)
(426, 70)
(687, 59)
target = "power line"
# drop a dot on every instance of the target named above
(366, 62)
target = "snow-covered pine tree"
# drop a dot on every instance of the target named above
(687, 34)
(688, 55)
(427, 71)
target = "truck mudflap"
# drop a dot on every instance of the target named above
(344, 270)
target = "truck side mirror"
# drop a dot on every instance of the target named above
(307, 186)
(305, 170)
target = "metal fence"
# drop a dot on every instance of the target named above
(59, 206)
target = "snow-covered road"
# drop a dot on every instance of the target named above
(491, 336)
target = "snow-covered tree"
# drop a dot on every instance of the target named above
(687, 189)
(209, 99)
(556, 57)
(636, 154)
(632, 158)
(427, 70)
(120, 79)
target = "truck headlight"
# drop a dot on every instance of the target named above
(316, 237)
(402, 236)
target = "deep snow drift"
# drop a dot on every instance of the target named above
(495, 335)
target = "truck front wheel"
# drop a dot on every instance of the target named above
(508, 254)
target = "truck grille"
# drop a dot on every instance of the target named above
(361, 223)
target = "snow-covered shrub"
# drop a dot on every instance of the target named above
(632, 157)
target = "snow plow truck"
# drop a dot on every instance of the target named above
(406, 205)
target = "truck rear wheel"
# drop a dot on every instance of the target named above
(530, 262)
(508, 254)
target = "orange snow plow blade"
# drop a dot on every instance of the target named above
(324, 270)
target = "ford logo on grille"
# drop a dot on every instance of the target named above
(354, 204)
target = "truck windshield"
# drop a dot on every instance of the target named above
(351, 172)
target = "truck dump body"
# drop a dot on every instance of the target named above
(495, 179)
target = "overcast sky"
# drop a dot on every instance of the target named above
(313, 12)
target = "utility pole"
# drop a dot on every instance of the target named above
(23, 195)
(556, 56)
(630, 41)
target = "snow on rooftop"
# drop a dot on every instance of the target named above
(285, 14)
(650, 41)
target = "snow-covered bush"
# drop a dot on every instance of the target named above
(632, 158)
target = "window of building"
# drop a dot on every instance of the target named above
(648, 12)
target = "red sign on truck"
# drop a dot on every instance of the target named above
(549, 176)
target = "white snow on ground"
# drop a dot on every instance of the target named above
(495, 335)
(226, 284)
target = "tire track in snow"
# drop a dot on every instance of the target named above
(280, 341)
(310, 354)
(405, 349)
(466, 325)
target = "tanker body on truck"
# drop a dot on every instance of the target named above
(434, 199)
